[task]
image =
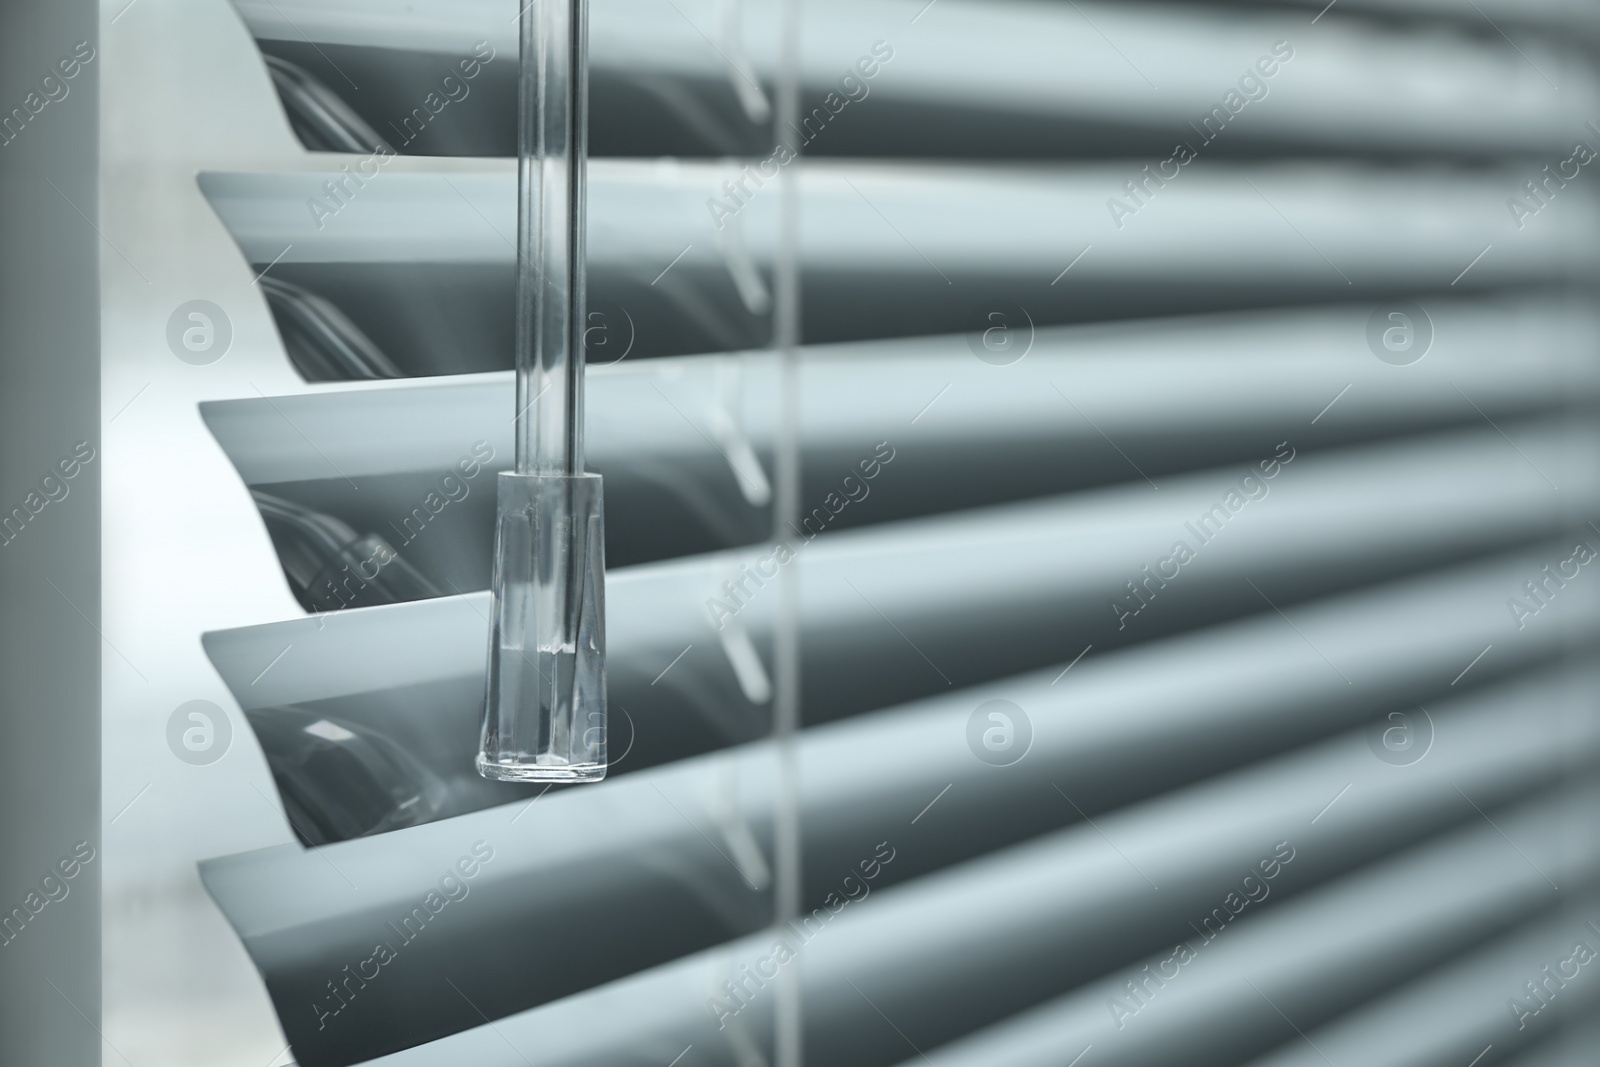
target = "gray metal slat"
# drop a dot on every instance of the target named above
(421, 261)
(1007, 63)
(1105, 403)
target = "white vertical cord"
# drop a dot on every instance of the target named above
(788, 1046)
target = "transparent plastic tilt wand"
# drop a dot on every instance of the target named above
(545, 715)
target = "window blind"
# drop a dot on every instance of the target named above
(1198, 368)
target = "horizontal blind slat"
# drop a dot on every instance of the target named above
(997, 60)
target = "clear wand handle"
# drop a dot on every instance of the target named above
(544, 716)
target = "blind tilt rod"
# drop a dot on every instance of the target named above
(544, 715)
